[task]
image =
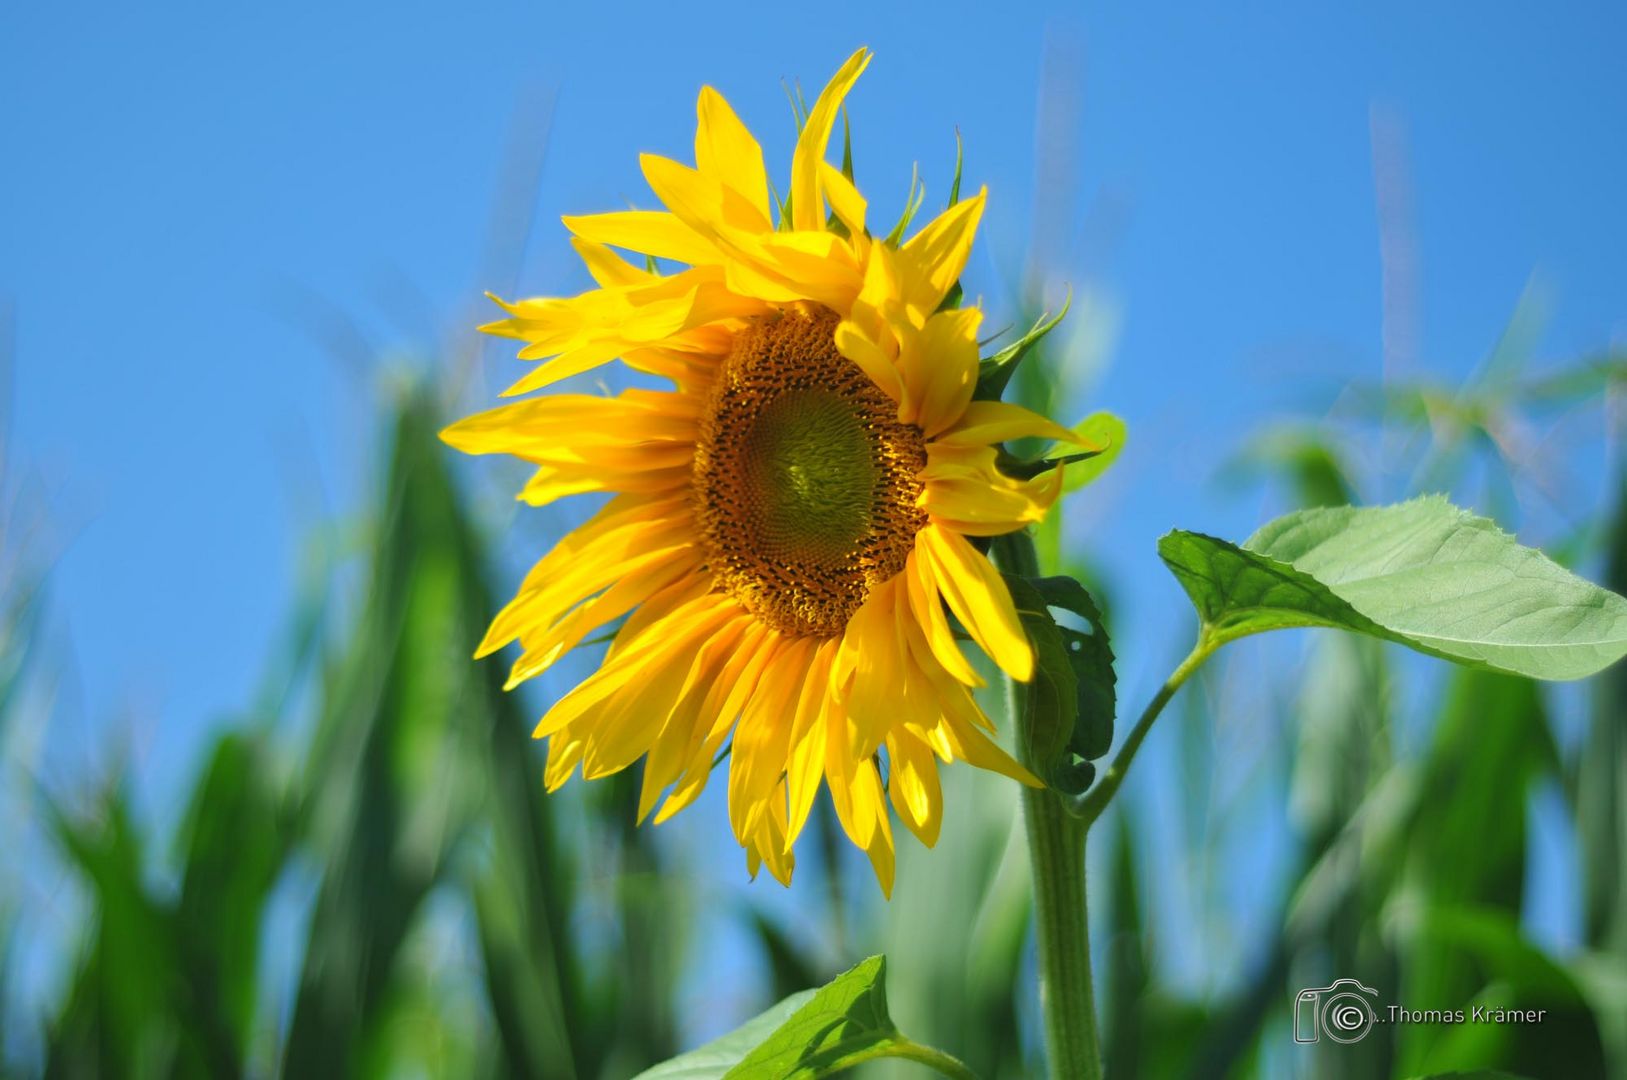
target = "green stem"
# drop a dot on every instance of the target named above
(1056, 852)
(1096, 800)
(948, 1066)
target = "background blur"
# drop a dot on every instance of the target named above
(258, 811)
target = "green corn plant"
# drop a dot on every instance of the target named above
(418, 781)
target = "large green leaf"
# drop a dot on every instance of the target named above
(1422, 573)
(716, 1058)
(1601, 783)
(806, 1036)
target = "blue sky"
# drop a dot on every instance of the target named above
(195, 196)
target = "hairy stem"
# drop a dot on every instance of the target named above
(1056, 851)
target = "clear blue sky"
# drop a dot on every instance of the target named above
(184, 185)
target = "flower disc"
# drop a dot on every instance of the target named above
(806, 484)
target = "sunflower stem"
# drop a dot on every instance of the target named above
(1056, 848)
(1056, 851)
(1096, 800)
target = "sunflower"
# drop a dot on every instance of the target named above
(787, 533)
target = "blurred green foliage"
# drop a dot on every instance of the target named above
(417, 778)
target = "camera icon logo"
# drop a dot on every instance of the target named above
(1339, 1011)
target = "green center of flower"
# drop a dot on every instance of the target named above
(807, 463)
(805, 482)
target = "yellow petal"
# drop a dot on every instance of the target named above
(564, 753)
(672, 746)
(768, 842)
(638, 584)
(632, 668)
(574, 362)
(606, 267)
(723, 702)
(913, 784)
(934, 624)
(878, 309)
(538, 428)
(704, 203)
(807, 208)
(762, 737)
(643, 621)
(987, 422)
(726, 151)
(555, 482)
(867, 667)
(978, 750)
(594, 535)
(627, 725)
(852, 343)
(845, 201)
(934, 257)
(966, 492)
(938, 365)
(805, 266)
(628, 549)
(860, 802)
(649, 232)
(868, 799)
(807, 757)
(956, 732)
(980, 600)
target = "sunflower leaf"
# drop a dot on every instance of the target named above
(1422, 573)
(1072, 698)
(994, 372)
(714, 1060)
(1052, 702)
(809, 1035)
(1091, 655)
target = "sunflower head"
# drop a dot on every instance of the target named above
(792, 535)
